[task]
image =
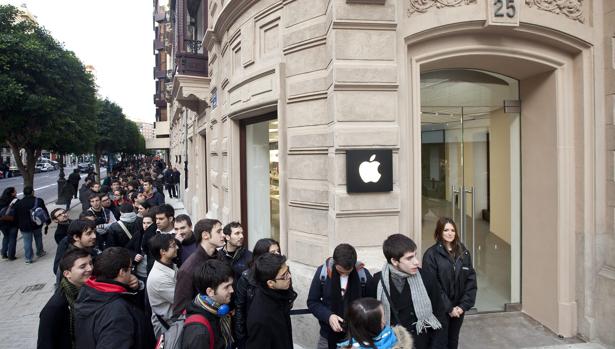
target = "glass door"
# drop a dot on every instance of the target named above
(470, 171)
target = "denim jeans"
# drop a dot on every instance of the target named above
(27, 242)
(9, 242)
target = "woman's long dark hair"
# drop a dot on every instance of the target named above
(363, 321)
(7, 196)
(455, 244)
(261, 247)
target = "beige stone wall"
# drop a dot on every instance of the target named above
(604, 292)
(340, 75)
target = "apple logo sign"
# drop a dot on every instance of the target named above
(368, 170)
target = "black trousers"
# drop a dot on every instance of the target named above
(172, 190)
(450, 331)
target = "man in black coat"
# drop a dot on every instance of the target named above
(57, 316)
(107, 314)
(214, 282)
(268, 323)
(233, 251)
(336, 283)
(74, 179)
(28, 228)
(410, 296)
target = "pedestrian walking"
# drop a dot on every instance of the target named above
(410, 296)
(31, 214)
(367, 328)
(169, 182)
(176, 180)
(8, 223)
(451, 262)
(74, 179)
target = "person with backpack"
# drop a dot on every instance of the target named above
(107, 315)
(214, 284)
(8, 224)
(31, 214)
(336, 283)
(245, 289)
(122, 231)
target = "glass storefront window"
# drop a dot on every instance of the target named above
(262, 181)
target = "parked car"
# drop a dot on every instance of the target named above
(85, 167)
(43, 167)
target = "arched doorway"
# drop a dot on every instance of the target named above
(470, 171)
(551, 71)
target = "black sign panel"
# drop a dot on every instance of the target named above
(369, 171)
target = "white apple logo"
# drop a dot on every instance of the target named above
(368, 170)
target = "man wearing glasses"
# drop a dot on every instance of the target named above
(60, 217)
(268, 323)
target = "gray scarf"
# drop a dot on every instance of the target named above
(420, 299)
(128, 217)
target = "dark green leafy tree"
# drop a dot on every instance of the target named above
(110, 133)
(47, 99)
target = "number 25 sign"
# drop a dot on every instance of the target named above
(503, 12)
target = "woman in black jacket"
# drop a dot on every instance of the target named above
(449, 260)
(8, 224)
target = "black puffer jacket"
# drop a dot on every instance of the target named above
(106, 316)
(268, 321)
(456, 278)
(244, 293)
(117, 237)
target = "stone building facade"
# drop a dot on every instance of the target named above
(500, 114)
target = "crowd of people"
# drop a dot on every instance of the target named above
(132, 274)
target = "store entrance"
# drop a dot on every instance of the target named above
(470, 169)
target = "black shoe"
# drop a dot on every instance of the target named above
(5, 257)
(12, 258)
(42, 253)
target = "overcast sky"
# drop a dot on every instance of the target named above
(115, 36)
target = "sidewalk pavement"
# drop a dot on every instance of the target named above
(26, 288)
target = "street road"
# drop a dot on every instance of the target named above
(45, 183)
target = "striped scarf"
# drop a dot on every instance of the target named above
(225, 321)
(70, 291)
(420, 299)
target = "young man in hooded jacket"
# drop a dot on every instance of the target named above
(107, 314)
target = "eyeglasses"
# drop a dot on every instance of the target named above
(60, 214)
(285, 276)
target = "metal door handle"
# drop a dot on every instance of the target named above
(471, 191)
(453, 198)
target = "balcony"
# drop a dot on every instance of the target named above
(191, 64)
(158, 44)
(160, 73)
(159, 100)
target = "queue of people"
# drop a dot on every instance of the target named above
(149, 279)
